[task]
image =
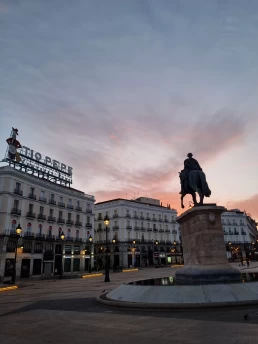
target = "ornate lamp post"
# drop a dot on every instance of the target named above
(133, 251)
(90, 240)
(62, 237)
(113, 242)
(107, 279)
(18, 233)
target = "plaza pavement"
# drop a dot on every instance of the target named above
(65, 311)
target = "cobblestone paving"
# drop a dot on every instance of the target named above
(65, 311)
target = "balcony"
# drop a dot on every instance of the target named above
(18, 191)
(52, 201)
(225, 233)
(149, 229)
(167, 230)
(32, 196)
(88, 210)
(99, 218)
(148, 218)
(128, 215)
(61, 204)
(115, 227)
(136, 228)
(78, 208)
(160, 220)
(77, 239)
(154, 219)
(142, 217)
(50, 237)
(236, 233)
(78, 223)
(28, 235)
(155, 229)
(243, 233)
(69, 238)
(51, 218)
(31, 215)
(143, 229)
(60, 220)
(69, 206)
(173, 221)
(69, 222)
(99, 229)
(115, 215)
(165, 220)
(161, 230)
(42, 199)
(40, 236)
(135, 216)
(88, 225)
(129, 227)
(41, 217)
(16, 211)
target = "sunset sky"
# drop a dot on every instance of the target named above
(122, 90)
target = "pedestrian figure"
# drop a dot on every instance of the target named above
(247, 262)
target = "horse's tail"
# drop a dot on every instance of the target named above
(205, 188)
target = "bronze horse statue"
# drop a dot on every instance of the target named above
(193, 180)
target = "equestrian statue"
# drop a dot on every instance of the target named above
(193, 180)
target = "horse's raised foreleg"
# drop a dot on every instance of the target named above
(201, 199)
(182, 204)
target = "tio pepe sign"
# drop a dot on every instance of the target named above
(30, 154)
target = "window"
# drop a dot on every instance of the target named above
(60, 214)
(51, 212)
(39, 229)
(77, 234)
(69, 216)
(42, 194)
(50, 231)
(68, 233)
(155, 236)
(77, 217)
(161, 237)
(18, 186)
(88, 219)
(70, 201)
(13, 224)
(29, 227)
(166, 227)
(41, 210)
(129, 235)
(167, 237)
(128, 223)
(78, 203)
(16, 204)
(136, 235)
(61, 199)
(149, 236)
(31, 208)
(154, 226)
(142, 236)
(127, 212)
(100, 237)
(59, 231)
(147, 214)
(160, 226)
(52, 197)
(135, 213)
(141, 224)
(115, 211)
(115, 223)
(32, 190)
(148, 225)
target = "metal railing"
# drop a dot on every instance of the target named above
(18, 191)
(32, 196)
(31, 214)
(16, 211)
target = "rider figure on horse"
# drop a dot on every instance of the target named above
(190, 164)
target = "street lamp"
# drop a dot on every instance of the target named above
(90, 240)
(133, 251)
(113, 242)
(62, 237)
(107, 279)
(18, 233)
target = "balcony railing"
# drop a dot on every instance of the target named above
(161, 230)
(142, 217)
(99, 218)
(128, 215)
(28, 235)
(40, 236)
(69, 206)
(61, 204)
(18, 191)
(154, 219)
(148, 218)
(16, 211)
(69, 238)
(143, 229)
(135, 216)
(78, 208)
(149, 229)
(243, 233)
(129, 227)
(60, 220)
(88, 210)
(31, 215)
(115, 227)
(50, 237)
(115, 215)
(167, 230)
(136, 228)
(77, 239)
(160, 220)
(51, 218)
(78, 223)
(99, 229)
(32, 196)
(155, 229)
(88, 225)
(42, 199)
(69, 222)
(41, 217)
(165, 220)
(236, 233)
(52, 201)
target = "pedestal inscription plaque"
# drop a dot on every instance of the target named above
(205, 258)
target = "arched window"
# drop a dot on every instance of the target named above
(14, 224)
(39, 229)
(50, 231)
(68, 233)
(28, 227)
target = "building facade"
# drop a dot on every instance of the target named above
(44, 210)
(240, 235)
(145, 233)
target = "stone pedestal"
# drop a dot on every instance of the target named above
(205, 258)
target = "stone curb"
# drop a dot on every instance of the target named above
(166, 306)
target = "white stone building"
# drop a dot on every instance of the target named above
(145, 220)
(240, 234)
(43, 209)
